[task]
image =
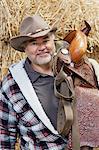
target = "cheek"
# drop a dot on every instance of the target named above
(30, 50)
(30, 55)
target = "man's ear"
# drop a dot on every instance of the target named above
(24, 45)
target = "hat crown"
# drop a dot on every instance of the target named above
(30, 28)
(32, 25)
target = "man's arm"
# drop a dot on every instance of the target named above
(8, 124)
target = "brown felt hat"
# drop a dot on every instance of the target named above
(30, 28)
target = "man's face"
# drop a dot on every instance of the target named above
(40, 50)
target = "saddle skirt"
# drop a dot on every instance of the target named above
(88, 115)
(87, 105)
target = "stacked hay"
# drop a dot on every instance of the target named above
(65, 14)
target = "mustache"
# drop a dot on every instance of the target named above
(43, 49)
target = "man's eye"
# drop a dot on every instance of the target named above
(46, 40)
(33, 42)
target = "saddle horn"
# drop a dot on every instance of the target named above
(78, 42)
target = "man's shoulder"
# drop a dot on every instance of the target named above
(9, 75)
(7, 80)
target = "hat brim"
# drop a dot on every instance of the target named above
(16, 42)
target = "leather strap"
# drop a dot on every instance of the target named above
(67, 113)
(75, 128)
(60, 77)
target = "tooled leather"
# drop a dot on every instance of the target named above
(87, 106)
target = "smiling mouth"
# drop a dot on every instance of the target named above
(43, 54)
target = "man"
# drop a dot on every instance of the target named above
(28, 106)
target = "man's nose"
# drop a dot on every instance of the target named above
(42, 47)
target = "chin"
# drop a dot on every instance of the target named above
(44, 61)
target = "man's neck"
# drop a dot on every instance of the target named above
(44, 69)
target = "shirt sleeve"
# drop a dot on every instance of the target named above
(8, 124)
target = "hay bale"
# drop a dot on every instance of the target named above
(65, 14)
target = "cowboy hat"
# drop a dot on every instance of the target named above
(30, 28)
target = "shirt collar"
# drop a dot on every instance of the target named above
(33, 75)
